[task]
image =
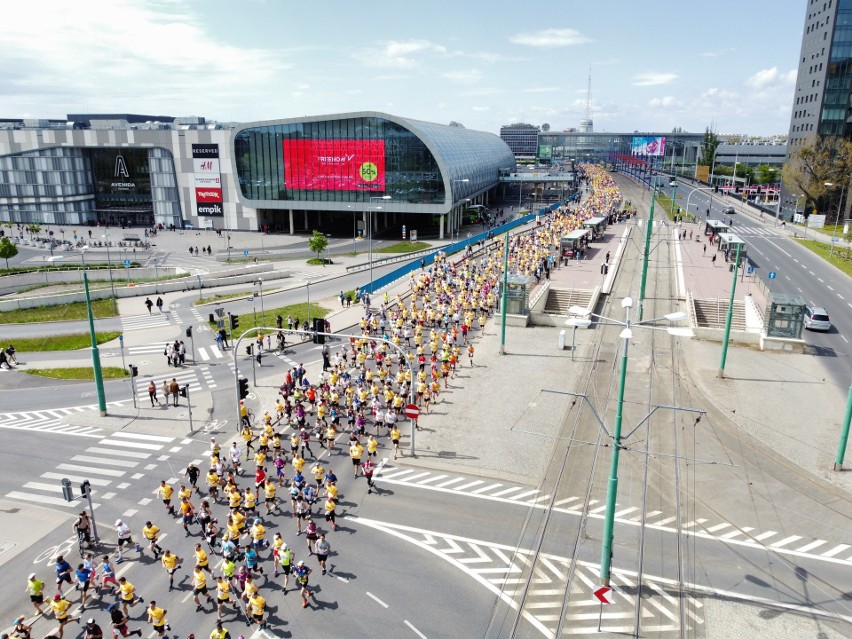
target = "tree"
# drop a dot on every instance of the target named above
(819, 160)
(7, 250)
(318, 243)
(766, 174)
(708, 146)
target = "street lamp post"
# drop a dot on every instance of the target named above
(370, 233)
(109, 267)
(457, 222)
(837, 218)
(259, 283)
(612, 485)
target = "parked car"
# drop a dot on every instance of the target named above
(729, 210)
(816, 319)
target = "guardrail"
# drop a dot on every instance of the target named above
(389, 260)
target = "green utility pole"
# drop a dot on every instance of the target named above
(674, 199)
(730, 316)
(503, 295)
(647, 250)
(612, 484)
(844, 433)
(96, 357)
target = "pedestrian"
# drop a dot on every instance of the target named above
(355, 452)
(160, 304)
(124, 539)
(174, 389)
(35, 589)
(84, 579)
(59, 607)
(705, 249)
(341, 297)
(713, 259)
(170, 562)
(93, 630)
(157, 618)
(119, 622)
(108, 576)
(302, 575)
(192, 473)
(182, 353)
(368, 467)
(199, 587)
(127, 594)
(152, 393)
(63, 573)
(21, 630)
(606, 260)
(330, 505)
(323, 548)
(149, 304)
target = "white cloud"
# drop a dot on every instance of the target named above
(653, 79)
(550, 38)
(483, 91)
(126, 55)
(463, 75)
(540, 89)
(666, 102)
(770, 77)
(397, 54)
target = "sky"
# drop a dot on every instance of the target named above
(655, 65)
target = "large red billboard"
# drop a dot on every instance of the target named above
(335, 165)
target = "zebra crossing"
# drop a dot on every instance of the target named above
(183, 377)
(50, 421)
(110, 464)
(505, 571)
(724, 531)
(142, 322)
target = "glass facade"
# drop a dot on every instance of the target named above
(838, 78)
(352, 159)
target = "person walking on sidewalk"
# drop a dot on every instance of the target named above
(152, 393)
(160, 304)
(149, 304)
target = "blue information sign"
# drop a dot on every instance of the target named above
(750, 270)
(772, 275)
(127, 262)
(245, 252)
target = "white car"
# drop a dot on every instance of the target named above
(816, 319)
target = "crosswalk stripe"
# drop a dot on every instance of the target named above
(155, 438)
(108, 462)
(112, 442)
(94, 482)
(51, 488)
(88, 469)
(485, 488)
(528, 493)
(41, 499)
(118, 453)
(203, 354)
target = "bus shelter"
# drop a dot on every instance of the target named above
(574, 244)
(597, 226)
(728, 243)
(715, 227)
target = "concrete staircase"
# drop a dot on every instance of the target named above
(713, 314)
(560, 300)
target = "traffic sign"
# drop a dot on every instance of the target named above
(245, 252)
(750, 270)
(602, 594)
(412, 411)
(127, 262)
(772, 275)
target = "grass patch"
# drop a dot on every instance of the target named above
(320, 261)
(230, 296)
(841, 257)
(71, 342)
(77, 373)
(65, 312)
(247, 320)
(404, 247)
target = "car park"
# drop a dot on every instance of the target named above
(816, 318)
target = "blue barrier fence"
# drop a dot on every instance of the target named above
(404, 270)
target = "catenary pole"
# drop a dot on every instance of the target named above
(730, 316)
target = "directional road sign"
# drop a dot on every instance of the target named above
(750, 270)
(603, 594)
(127, 262)
(412, 411)
(245, 252)
(772, 275)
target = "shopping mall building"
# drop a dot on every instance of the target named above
(326, 172)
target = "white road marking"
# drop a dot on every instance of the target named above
(413, 629)
(377, 600)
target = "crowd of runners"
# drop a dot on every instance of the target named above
(254, 497)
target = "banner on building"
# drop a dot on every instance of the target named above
(208, 180)
(334, 165)
(643, 145)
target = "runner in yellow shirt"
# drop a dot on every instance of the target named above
(150, 532)
(157, 618)
(223, 595)
(199, 587)
(170, 563)
(165, 492)
(257, 604)
(127, 595)
(355, 452)
(201, 560)
(59, 607)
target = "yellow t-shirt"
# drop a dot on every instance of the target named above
(150, 532)
(258, 603)
(165, 492)
(199, 580)
(157, 616)
(60, 608)
(223, 590)
(126, 589)
(169, 561)
(201, 557)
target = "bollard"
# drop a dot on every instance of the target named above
(562, 340)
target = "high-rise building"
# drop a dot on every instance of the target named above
(521, 138)
(822, 99)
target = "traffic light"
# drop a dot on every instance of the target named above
(67, 491)
(134, 370)
(235, 321)
(189, 331)
(244, 390)
(85, 487)
(249, 349)
(319, 327)
(184, 391)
